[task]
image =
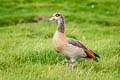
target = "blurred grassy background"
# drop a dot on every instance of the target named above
(104, 12)
(26, 51)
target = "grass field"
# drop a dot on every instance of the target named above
(26, 51)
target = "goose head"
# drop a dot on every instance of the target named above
(56, 16)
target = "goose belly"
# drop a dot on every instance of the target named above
(59, 41)
(58, 45)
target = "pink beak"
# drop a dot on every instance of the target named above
(51, 19)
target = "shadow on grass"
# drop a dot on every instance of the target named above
(33, 57)
(43, 57)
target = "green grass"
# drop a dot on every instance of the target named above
(32, 57)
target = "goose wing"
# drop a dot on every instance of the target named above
(89, 53)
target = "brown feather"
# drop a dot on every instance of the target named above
(89, 53)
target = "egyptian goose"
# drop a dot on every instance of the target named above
(71, 49)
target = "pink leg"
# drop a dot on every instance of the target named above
(73, 63)
(67, 63)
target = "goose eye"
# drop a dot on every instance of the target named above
(57, 15)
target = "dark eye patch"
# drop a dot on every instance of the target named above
(57, 15)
